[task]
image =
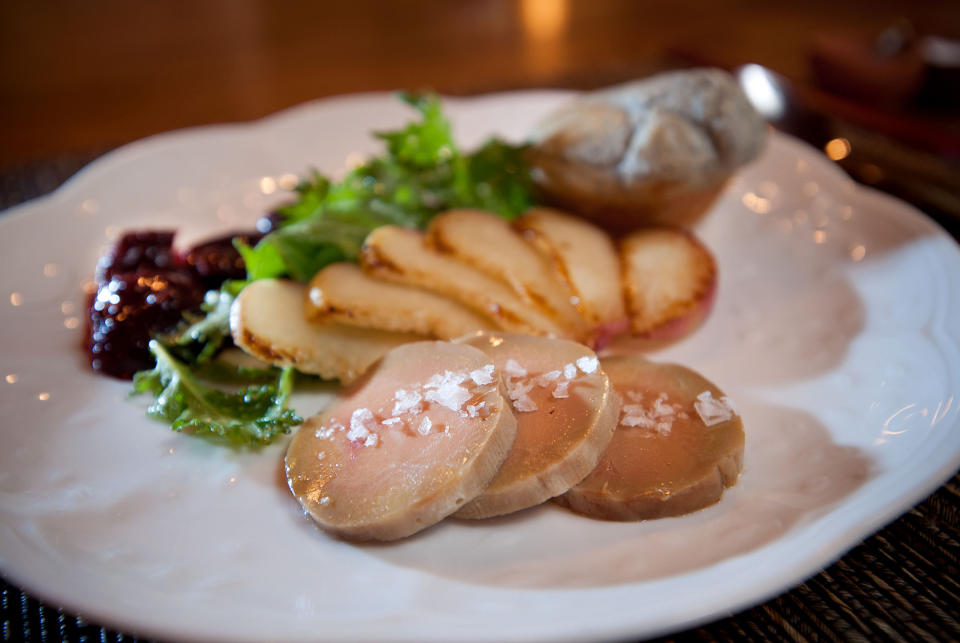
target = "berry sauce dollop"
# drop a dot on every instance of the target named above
(143, 289)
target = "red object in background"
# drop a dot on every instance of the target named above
(882, 71)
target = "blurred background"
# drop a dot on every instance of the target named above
(876, 83)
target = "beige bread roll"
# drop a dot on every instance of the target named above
(658, 150)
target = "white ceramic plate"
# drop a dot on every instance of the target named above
(836, 331)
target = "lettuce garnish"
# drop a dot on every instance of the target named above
(421, 173)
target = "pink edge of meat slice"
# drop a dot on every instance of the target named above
(421, 434)
(566, 413)
(679, 443)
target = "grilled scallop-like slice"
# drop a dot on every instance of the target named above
(566, 413)
(400, 255)
(267, 321)
(343, 293)
(406, 446)
(670, 280)
(491, 245)
(678, 445)
(587, 259)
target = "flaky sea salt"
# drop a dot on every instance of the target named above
(519, 393)
(445, 389)
(517, 389)
(524, 404)
(406, 402)
(569, 371)
(474, 410)
(513, 368)
(561, 391)
(359, 429)
(550, 376)
(658, 417)
(482, 376)
(425, 425)
(711, 410)
(588, 364)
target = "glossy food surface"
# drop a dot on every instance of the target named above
(566, 413)
(677, 432)
(405, 446)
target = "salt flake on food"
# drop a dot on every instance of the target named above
(513, 368)
(549, 376)
(519, 389)
(390, 421)
(482, 376)
(713, 411)
(658, 417)
(588, 364)
(569, 371)
(519, 394)
(425, 425)
(561, 390)
(406, 402)
(445, 389)
(358, 427)
(524, 404)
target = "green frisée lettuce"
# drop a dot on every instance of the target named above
(251, 416)
(421, 173)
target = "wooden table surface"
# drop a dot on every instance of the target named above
(78, 78)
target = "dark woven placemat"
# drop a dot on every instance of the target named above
(902, 584)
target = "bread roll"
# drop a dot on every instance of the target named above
(657, 150)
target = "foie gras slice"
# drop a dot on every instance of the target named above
(267, 321)
(344, 294)
(407, 445)
(566, 413)
(678, 445)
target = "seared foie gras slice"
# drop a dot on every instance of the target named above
(586, 257)
(679, 444)
(491, 245)
(566, 413)
(422, 434)
(400, 255)
(670, 280)
(267, 321)
(343, 293)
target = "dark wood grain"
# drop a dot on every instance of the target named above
(85, 76)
